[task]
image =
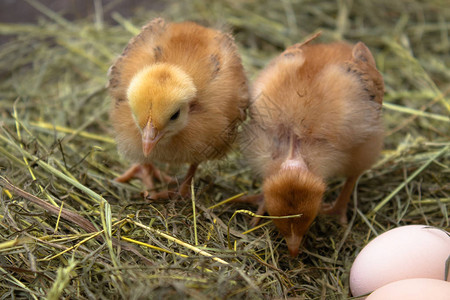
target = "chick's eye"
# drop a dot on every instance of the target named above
(175, 115)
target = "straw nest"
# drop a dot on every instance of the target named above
(67, 230)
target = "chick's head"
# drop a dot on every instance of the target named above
(290, 192)
(159, 97)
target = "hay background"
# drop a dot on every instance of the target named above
(55, 144)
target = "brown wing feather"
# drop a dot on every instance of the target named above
(231, 57)
(363, 64)
(119, 75)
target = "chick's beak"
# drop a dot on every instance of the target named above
(150, 137)
(293, 242)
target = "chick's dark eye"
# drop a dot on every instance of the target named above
(175, 115)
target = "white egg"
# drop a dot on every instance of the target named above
(413, 289)
(414, 251)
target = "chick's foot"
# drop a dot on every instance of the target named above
(147, 173)
(183, 191)
(339, 207)
(333, 209)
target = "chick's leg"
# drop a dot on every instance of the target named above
(183, 190)
(256, 200)
(146, 172)
(339, 207)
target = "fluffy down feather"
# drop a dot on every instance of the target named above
(179, 92)
(315, 113)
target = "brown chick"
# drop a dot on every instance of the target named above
(315, 113)
(179, 91)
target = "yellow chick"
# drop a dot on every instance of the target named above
(179, 92)
(315, 113)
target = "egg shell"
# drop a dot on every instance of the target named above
(413, 289)
(414, 251)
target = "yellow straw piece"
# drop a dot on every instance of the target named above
(73, 247)
(244, 211)
(257, 227)
(59, 217)
(9, 244)
(152, 246)
(194, 213)
(227, 200)
(16, 118)
(416, 112)
(171, 238)
(84, 134)
(8, 193)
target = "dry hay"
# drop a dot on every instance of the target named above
(67, 230)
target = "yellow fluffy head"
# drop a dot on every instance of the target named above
(160, 94)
